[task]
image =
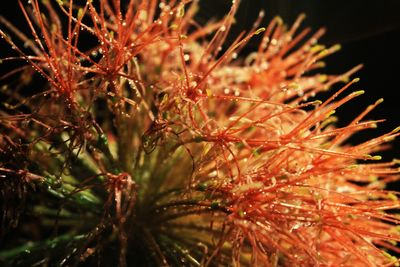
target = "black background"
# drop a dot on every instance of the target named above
(368, 32)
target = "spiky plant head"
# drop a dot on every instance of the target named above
(160, 145)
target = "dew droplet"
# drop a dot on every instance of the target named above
(186, 57)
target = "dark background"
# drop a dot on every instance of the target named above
(368, 31)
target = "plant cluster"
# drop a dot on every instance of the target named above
(135, 135)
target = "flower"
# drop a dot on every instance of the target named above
(152, 142)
